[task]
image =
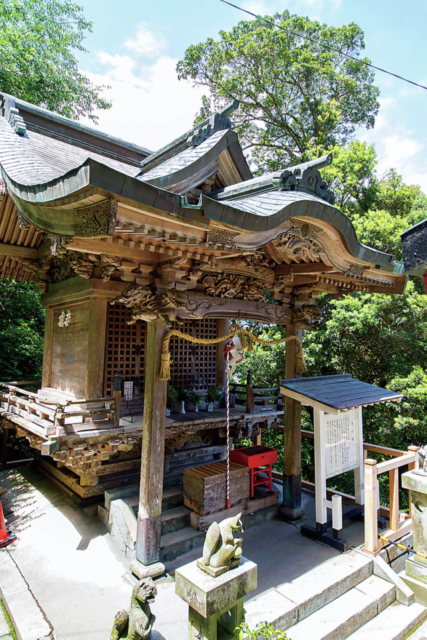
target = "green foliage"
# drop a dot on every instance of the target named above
(21, 331)
(372, 336)
(171, 397)
(262, 631)
(192, 396)
(214, 393)
(37, 63)
(267, 364)
(296, 96)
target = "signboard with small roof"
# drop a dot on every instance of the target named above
(337, 403)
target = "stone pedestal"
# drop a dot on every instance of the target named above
(215, 605)
(415, 574)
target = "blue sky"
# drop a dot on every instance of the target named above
(135, 45)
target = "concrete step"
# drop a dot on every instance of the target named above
(394, 623)
(178, 542)
(347, 613)
(175, 519)
(326, 582)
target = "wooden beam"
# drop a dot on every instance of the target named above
(123, 250)
(302, 268)
(153, 449)
(15, 251)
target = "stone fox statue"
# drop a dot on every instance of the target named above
(137, 622)
(220, 546)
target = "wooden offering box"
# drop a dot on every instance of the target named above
(205, 487)
(259, 460)
(257, 456)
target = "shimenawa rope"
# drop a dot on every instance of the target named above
(246, 339)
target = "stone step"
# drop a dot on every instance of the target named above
(175, 519)
(326, 582)
(178, 542)
(172, 497)
(347, 613)
(394, 623)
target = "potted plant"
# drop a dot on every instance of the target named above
(213, 395)
(171, 399)
(182, 397)
(193, 399)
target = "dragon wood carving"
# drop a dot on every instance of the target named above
(306, 316)
(148, 306)
(234, 286)
(299, 243)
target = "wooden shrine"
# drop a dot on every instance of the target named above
(337, 403)
(125, 243)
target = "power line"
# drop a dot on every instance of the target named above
(322, 44)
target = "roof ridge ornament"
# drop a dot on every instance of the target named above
(16, 121)
(306, 177)
(219, 121)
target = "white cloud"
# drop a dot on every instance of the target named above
(397, 146)
(397, 150)
(256, 6)
(150, 106)
(145, 42)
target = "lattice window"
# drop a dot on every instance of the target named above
(194, 364)
(125, 348)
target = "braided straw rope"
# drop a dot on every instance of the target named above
(246, 339)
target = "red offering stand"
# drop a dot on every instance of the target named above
(260, 460)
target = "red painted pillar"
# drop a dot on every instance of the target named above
(425, 282)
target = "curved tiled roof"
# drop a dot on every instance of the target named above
(33, 159)
(184, 159)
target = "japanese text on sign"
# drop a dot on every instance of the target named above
(341, 443)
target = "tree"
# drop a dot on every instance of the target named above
(21, 331)
(37, 63)
(296, 96)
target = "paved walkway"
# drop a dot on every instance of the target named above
(78, 580)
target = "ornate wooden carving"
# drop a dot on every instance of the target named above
(67, 264)
(97, 219)
(299, 244)
(148, 306)
(306, 316)
(355, 270)
(82, 268)
(223, 237)
(108, 265)
(255, 265)
(200, 306)
(234, 286)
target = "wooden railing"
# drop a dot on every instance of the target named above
(400, 523)
(44, 416)
(256, 397)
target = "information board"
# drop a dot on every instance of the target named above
(128, 390)
(342, 451)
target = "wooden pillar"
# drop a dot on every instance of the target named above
(291, 509)
(97, 326)
(223, 327)
(153, 450)
(48, 349)
(371, 506)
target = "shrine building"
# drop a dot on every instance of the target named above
(125, 244)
